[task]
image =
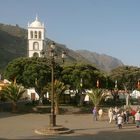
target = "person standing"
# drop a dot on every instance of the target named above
(100, 112)
(133, 112)
(95, 113)
(137, 119)
(110, 114)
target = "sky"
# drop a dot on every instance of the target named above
(110, 27)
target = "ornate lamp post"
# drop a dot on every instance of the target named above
(52, 59)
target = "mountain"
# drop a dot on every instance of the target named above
(102, 61)
(13, 44)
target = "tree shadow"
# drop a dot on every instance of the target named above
(115, 134)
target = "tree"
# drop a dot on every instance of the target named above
(96, 96)
(126, 76)
(59, 89)
(15, 69)
(13, 92)
(72, 75)
(41, 90)
(26, 70)
(32, 72)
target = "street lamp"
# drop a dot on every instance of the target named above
(52, 55)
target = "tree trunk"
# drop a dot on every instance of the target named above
(57, 111)
(56, 101)
(81, 100)
(40, 101)
(14, 107)
(127, 99)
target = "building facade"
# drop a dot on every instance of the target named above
(36, 38)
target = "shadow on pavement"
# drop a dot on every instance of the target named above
(102, 135)
(7, 114)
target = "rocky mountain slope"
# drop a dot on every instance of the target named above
(103, 61)
(13, 44)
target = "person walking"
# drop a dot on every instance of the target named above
(119, 121)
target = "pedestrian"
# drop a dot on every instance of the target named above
(133, 112)
(119, 121)
(95, 113)
(116, 110)
(137, 119)
(115, 116)
(126, 116)
(110, 114)
(100, 112)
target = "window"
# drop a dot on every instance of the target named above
(35, 34)
(39, 34)
(35, 46)
(31, 34)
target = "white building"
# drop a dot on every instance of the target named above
(135, 94)
(36, 37)
(31, 94)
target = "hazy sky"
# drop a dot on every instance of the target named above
(109, 27)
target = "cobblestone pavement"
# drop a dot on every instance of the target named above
(22, 126)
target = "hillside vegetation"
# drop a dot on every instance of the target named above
(13, 44)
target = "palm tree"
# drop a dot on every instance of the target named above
(59, 89)
(13, 93)
(96, 96)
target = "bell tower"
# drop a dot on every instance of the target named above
(36, 37)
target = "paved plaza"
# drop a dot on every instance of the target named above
(22, 126)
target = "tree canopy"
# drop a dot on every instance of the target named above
(126, 76)
(88, 74)
(32, 72)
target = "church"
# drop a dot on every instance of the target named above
(37, 41)
(36, 38)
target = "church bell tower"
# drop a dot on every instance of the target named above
(36, 37)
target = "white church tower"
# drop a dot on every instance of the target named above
(36, 37)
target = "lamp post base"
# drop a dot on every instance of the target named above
(52, 120)
(56, 130)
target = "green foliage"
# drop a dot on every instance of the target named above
(96, 96)
(32, 72)
(72, 74)
(126, 76)
(59, 88)
(27, 70)
(13, 92)
(15, 69)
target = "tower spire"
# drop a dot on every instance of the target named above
(36, 17)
